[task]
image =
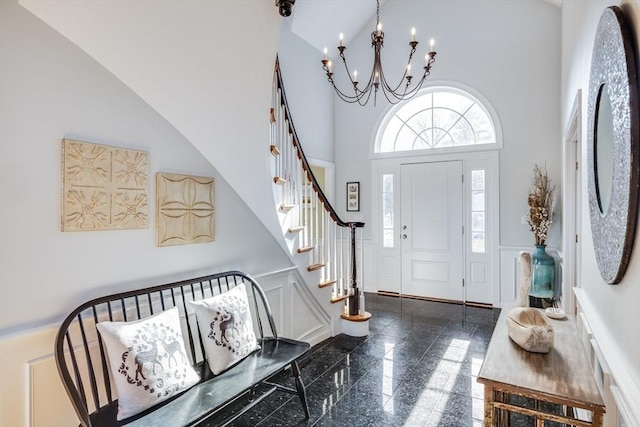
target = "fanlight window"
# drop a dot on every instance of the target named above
(442, 117)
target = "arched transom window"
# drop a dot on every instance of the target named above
(440, 117)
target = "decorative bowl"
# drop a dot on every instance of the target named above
(530, 329)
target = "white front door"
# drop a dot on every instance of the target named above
(431, 230)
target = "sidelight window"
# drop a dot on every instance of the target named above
(478, 210)
(387, 210)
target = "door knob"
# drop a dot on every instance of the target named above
(404, 227)
(404, 236)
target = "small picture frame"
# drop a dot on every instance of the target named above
(353, 197)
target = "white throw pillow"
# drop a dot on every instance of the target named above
(148, 361)
(226, 328)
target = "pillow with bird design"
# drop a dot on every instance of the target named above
(226, 328)
(148, 361)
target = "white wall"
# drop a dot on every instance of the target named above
(611, 310)
(308, 94)
(507, 51)
(50, 90)
(205, 66)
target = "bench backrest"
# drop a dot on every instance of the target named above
(81, 357)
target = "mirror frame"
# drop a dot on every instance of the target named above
(613, 64)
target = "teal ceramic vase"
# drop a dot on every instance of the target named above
(543, 273)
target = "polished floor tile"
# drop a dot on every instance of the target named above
(417, 367)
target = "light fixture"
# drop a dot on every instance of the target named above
(377, 80)
(285, 7)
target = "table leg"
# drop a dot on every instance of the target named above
(488, 405)
(597, 419)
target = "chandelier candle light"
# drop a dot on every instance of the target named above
(404, 89)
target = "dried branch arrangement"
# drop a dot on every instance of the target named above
(542, 200)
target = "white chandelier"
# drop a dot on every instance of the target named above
(404, 89)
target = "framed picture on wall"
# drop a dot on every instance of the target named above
(353, 197)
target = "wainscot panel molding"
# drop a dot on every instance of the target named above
(620, 393)
(510, 271)
(31, 390)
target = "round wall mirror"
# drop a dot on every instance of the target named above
(613, 145)
(603, 144)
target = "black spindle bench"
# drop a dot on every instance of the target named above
(84, 368)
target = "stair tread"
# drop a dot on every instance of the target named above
(274, 150)
(326, 283)
(357, 318)
(304, 249)
(286, 208)
(339, 298)
(314, 267)
(279, 180)
(296, 229)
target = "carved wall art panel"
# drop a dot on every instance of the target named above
(104, 188)
(185, 212)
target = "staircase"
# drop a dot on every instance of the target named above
(177, 83)
(309, 222)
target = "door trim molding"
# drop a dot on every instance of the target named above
(392, 165)
(571, 218)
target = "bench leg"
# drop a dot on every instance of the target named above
(300, 387)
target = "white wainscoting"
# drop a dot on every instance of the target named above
(31, 393)
(510, 271)
(621, 395)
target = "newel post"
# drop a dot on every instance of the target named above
(354, 299)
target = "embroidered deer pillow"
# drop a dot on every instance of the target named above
(226, 328)
(148, 361)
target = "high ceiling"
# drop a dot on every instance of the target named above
(320, 21)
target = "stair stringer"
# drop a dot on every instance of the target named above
(310, 279)
(322, 296)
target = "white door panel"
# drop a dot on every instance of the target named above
(432, 215)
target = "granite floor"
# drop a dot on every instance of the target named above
(417, 367)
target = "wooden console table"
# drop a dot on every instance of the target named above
(562, 377)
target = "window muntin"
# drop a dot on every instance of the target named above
(442, 117)
(387, 211)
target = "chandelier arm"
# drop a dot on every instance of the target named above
(343, 96)
(348, 98)
(346, 67)
(365, 100)
(394, 91)
(416, 88)
(394, 97)
(377, 78)
(359, 94)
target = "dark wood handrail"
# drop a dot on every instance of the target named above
(354, 298)
(305, 164)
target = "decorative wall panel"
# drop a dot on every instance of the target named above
(185, 211)
(104, 188)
